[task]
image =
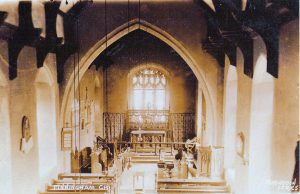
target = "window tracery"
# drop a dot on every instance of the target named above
(149, 89)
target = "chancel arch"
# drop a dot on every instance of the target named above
(122, 31)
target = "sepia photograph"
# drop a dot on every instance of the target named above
(149, 97)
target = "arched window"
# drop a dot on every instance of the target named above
(149, 89)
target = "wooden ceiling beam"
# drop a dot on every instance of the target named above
(239, 27)
(24, 35)
(71, 45)
(51, 41)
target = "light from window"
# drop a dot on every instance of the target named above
(149, 90)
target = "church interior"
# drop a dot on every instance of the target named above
(149, 96)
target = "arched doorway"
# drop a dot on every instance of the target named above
(118, 33)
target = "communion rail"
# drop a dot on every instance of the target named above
(154, 145)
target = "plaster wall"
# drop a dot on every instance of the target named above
(21, 100)
(243, 112)
(230, 110)
(5, 149)
(286, 106)
(268, 115)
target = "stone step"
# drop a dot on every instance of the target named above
(152, 156)
(204, 182)
(200, 187)
(72, 192)
(192, 182)
(186, 191)
(150, 150)
(84, 176)
(85, 181)
(59, 185)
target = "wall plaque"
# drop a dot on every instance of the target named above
(26, 141)
(240, 145)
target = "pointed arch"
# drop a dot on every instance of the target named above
(120, 32)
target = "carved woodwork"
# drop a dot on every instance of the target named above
(210, 161)
(148, 119)
(182, 126)
(51, 41)
(81, 161)
(114, 126)
(204, 161)
(27, 35)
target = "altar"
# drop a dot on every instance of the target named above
(146, 136)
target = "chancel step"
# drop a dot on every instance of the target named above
(73, 192)
(84, 176)
(186, 191)
(202, 185)
(86, 181)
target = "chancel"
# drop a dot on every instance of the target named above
(148, 96)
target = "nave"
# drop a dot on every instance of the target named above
(141, 96)
(142, 171)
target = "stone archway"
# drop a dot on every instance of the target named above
(118, 33)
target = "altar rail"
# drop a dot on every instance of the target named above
(155, 145)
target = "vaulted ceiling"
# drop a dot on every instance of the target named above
(231, 24)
